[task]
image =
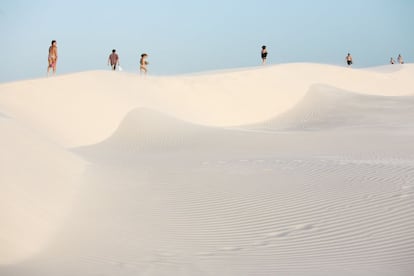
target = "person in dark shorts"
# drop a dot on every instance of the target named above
(113, 59)
(264, 54)
(392, 61)
(349, 59)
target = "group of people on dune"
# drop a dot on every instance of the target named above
(113, 59)
(400, 60)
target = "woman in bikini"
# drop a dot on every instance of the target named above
(143, 64)
(400, 59)
(52, 58)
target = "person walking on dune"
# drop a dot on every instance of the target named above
(400, 59)
(113, 59)
(264, 54)
(392, 61)
(143, 63)
(349, 59)
(52, 58)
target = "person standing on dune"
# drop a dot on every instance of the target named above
(392, 61)
(143, 63)
(264, 54)
(113, 59)
(349, 59)
(400, 59)
(52, 58)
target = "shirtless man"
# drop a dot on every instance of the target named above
(113, 59)
(143, 64)
(52, 58)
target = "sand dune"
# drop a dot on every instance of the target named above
(325, 107)
(296, 169)
(88, 107)
(38, 181)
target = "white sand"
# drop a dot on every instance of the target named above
(296, 169)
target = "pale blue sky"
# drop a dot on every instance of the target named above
(185, 36)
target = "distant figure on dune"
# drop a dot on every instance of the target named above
(113, 59)
(349, 59)
(143, 63)
(264, 54)
(400, 59)
(392, 61)
(52, 58)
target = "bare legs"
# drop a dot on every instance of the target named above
(53, 66)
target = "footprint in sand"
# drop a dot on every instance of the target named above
(297, 228)
(205, 254)
(278, 234)
(261, 243)
(231, 248)
(304, 227)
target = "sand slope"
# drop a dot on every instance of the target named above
(326, 107)
(38, 181)
(88, 107)
(296, 169)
